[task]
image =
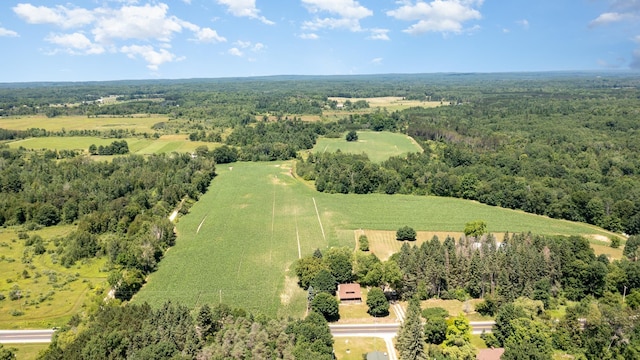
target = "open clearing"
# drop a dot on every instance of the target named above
(141, 123)
(245, 248)
(379, 146)
(50, 293)
(391, 103)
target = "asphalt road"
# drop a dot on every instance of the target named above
(25, 336)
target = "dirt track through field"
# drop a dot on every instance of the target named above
(319, 221)
(199, 226)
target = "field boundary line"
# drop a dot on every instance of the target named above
(319, 221)
(295, 214)
(201, 222)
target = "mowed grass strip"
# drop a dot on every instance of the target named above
(379, 146)
(141, 123)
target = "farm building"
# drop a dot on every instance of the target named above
(377, 355)
(349, 293)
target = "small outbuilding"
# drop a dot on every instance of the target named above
(350, 293)
(377, 355)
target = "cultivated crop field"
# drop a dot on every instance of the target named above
(379, 146)
(142, 123)
(49, 294)
(141, 146)
(238, 243)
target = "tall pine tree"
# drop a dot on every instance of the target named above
(410, 344)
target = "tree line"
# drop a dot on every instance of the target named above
(175, 331)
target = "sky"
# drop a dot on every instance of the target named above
(95, 40)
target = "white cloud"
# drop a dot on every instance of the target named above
(76, 43)
(446, 16)
(122, 27)
(208, 35)
(248, 45)
(610, 17)
(309, 36)
(60, 15)
(153, 58)
(348, 14)
(7, 33)
(235, 52)
(244, 8)
(135, 22)
(376, 61)
(379, 34)
(524, 23)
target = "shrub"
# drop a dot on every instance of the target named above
(377, 302)
(352, 136)
(363, 243)
(615, 242)
(406, 233)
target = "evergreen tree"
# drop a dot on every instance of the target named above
(410, 344)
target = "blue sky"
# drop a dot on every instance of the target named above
(136, 39)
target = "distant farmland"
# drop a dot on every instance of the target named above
(142, 123)
(379, 146)
(141, 146)
(238, 241)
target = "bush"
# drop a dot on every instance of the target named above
(377, 302)
(615, 242)
(406, 233)
(326, 305)
(352, 136)
(363, 243)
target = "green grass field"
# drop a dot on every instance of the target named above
(140, 146)
(239, 240)
(141, 123)
(379, 146)
(26, 351)
(50, 293)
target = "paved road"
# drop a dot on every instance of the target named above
(25, 336)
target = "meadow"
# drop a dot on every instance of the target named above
(379, 146)
(238, 243)
(49, 293)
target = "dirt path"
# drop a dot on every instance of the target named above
(319, 221)
(201, 222)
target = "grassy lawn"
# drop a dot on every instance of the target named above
(353, 348)
(141, 123)
(379, 146)
(26, 351)
(50, 293)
